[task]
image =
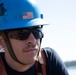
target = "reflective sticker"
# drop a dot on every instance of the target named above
(27, 15)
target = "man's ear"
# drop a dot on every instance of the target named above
(1, 41)
(1, 38)
(2, 44)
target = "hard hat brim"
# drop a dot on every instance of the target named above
(23, 24)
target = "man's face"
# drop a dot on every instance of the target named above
(25, 48)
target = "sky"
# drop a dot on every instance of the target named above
(60, 34)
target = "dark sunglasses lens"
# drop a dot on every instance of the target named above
(19, 35)
(24, 35)
(38, 34)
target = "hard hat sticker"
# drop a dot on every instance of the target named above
(27, 15)
(2, 10)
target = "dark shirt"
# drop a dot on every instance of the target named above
(54, 65)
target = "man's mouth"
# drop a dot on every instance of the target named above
(30, 50)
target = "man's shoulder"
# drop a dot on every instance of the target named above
(48, 50)
(50, 53)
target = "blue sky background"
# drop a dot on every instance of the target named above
(61, 33)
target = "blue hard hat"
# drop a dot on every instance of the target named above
(19, 14)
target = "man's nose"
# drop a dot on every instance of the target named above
(31, 39)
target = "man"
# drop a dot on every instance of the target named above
(21, 33)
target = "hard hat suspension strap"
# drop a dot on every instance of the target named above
(9, 47)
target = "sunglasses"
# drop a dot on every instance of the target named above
(23, 34)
